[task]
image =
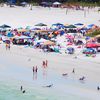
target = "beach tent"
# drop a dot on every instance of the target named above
(23, 4)
(56, 3)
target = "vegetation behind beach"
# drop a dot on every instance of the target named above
(78, 2)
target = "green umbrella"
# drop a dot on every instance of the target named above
(40, 24)
(70, 26)
(5, 26)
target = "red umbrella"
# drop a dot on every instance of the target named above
(69, 43)
(92, 45)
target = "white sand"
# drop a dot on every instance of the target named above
(19, 16)
(14, 64)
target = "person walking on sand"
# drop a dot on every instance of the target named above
(73, 71)
(9, 46)
(6, 46)
(43, 64)
(46, 63)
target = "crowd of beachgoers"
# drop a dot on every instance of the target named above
(57, 38)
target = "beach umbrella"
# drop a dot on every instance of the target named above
(58, 24)
(48, 43)
(35, 29)
(90, 26)
(22, 30)
(5, 26)
(22, 37)
(92, 45)
(69, 36)
(66, 24)
(41, 40)
(70, 26)
(79, 24)
(40, 24)
(28, 27)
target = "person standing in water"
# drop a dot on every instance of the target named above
(21, 88)
(33, 69)
(36, 69)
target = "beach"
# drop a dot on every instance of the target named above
(23, 16)
(16, 64)
(16, 70)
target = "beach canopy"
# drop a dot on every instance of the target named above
(23, 3)
(40, 24)
(56, 3)
(46, 3)
(5, 26)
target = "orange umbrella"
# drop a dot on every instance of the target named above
(22, 30)
(49, 43)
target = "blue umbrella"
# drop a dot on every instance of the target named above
(80, 24)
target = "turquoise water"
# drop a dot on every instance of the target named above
(61, 90)
(64, 88)
(12, 92)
